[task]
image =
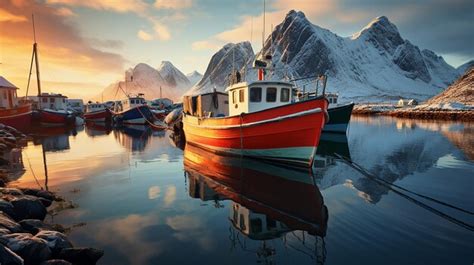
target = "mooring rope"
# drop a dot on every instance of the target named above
(151, 123)
(390, 186)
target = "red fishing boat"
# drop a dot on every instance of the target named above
(97, 112)
(12, 112)
(263, 121)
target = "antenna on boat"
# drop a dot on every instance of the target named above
(263, 31)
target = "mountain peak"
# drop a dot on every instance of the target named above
(382, 33)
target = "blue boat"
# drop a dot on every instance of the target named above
(132, 110)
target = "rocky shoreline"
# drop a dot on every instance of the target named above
(25, 238)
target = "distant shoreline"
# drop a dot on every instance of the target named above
(454, 115)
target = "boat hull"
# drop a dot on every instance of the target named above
(19, 117)
(339, 118)
(98, 116)
(50, 118)
(136, 116)
(288, 133)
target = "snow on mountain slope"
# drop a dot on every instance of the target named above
(173, 76)
(194, 77)
(374, 64)
(147, 80)
(217, 73)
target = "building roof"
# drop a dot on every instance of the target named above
(6, 84)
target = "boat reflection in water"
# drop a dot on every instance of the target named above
(95, 129)
(269, 201)
(330, 145)
(133, 137)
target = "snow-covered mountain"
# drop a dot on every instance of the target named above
(231, 56)
(147, 80)
(172, 76)
(194, 77)
(374, 64)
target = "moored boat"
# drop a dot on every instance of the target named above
(133, 110)
(263, 122)
(53, 110)
(97, 112)
(339, 118)
(12, 112)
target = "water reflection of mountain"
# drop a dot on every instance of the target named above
(463, 139)
(268, 200)
(393, 149)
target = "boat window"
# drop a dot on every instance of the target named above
(255, 94)
(271, 224)
(334, 100)
(256, 226)
(241, 95)
(242, 222)
(132, 101)
(5, 94)
(285, 94)
(271, 94)
(234, 96)
(45, 100)
(51, 100)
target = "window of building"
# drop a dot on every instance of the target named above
(5, 94)
(51, 100)
(255, 94)
(271, 94)
(234, 96)
(241, 95)
(132, 101)
(45, 100)
(285, 94)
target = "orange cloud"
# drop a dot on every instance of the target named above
(144, 35)
(117, 6)
(5, 16)
(65, 56)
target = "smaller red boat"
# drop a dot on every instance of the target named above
(97, 112)
(53, 110)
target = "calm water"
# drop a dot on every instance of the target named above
(145, 201)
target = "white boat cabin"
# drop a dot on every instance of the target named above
(259, 95)
(52, 101)
(332, 97)
(93, 107)
(129, 103)
(8, 96)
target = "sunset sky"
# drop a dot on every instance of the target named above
(84, 45)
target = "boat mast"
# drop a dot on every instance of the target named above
(35, 53)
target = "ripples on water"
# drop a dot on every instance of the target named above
(145, 201)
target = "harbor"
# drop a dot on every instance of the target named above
(317, 133)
